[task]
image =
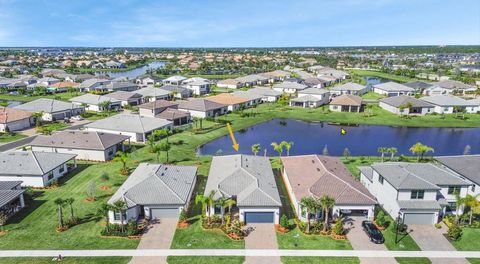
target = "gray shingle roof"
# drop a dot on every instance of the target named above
(393, 87)
(8, 185)
(446, 100)
(314, 91)
(123, 95)
(452, 84)
(397, 101)
(349, 87)
(419, 204)
(467, 166)
(418, 85)
(306, 98)
(93, 99)
(7, 196)
(264, 91)
(152, 91)
(367, 171)
(76, 139)
(157, 184)
(130, 123)
(412, 176)
(250, 178)
(47, 106)
(30, 162)
(290, 85)
(200, 105)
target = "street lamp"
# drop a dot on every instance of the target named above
(398, 224)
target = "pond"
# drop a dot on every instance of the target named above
(134, 73)
(374, 80)
(311, 138)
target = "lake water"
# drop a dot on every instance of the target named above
(374, 80)
(311, 138)
(134, 73)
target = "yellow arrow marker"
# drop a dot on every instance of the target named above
(343, 131)
(235, 145)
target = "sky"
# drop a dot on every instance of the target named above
(232, 23)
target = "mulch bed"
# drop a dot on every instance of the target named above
(183, 225)
(281, 229)
(105, 187)
(90, 199)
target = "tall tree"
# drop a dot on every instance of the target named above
(60, 203)
(69, 202)
(382, 151)
(473, 204)
(420, 150)
(278, 148)
(288, 146)
(327, 203)
(255, 149)
(122, 157)
(308, 205)
(120, 206)
(165, 146)
(392, 152)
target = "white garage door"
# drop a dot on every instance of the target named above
(418, 219)
(159, 213)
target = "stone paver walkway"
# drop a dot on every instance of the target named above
(429, 238)
(158, 236)
(262, 236)
(360, 241)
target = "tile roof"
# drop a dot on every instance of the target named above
(447, 100)
(452, 84)
(468, 166)
(350, 86)
(158, 104)
(200, 105)
(30, 162)
(347, 99)
(157, 184)
(322, 175)
(47, 106)
(227, 99)
(290, 85)
(11, 114)
(123, 95)
(398, 101)
(170, 114)
(93, 99)
(393, 87)
(418, 85)
(129, 123)
(76, 139)
(314, 91)
(306, 98)
(152, 91)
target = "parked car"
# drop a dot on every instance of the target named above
(77, 118)
(372, 232)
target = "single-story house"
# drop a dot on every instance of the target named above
(289, 87)
(11, 197)
(418, 86)
(451, 87)
(176, 91)
(276, 75)
(349, 88)
(249, 180)
(447, 104)
(62, 86)
(317, 176)
(154, 108)
(267, 94)
(87, 145)
(136, 126)
(314, 83)
(311, 98)
(148, 80)
(406, 105)
(118, 86)
(94, 102)
(418, 193)
(126, 98)
(36, 169)
(151, 94)
(155, 191)
(346, 103)
(52, 109)
(93, 84)
(233, 102)
(393, 89)
(203, 108)
(467, 167)
(174, 80)
(252, 80)
(251, 97)
(12, 119)
(230, 84)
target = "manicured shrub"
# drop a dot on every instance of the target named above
(284, 221)
(454, 232)
(338, 227)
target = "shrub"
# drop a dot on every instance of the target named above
(104, 177)
(183, 215)
(284, 221)
(454, 232)
(402, 228)
(338, 227)
(382, 220)
(130, 229)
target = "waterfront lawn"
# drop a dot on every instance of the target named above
(288, 240)
(469, 240)
(372, 96)
(205, 260)
(68, 260)
(6, 137)
(320, 260)
(413, 260)
(393, 77)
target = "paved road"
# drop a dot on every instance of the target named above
(240, 252)
(159, 235)
(263, 236)
(428, 237)
(360, 241)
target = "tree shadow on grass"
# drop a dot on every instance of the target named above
(80, 167)
(31, 205)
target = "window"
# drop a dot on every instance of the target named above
(61, 169)
(50, 175)
(116, 216)
(380, 179)
(453, 189)
(417, 194)
(473, 188)
(110, 152)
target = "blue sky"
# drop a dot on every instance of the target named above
(246, 23)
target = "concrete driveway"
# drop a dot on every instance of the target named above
(262, 236)
(159, 235)
(429, 238)
(360, 241)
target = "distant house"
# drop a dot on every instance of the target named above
(406, 105)
(156, 192)
(174, 80)
(315, 83)
(12, 119)
(126, 98)
(93, 84)
(393, 89)
(276, 75)
(149, 80)
(179, 92)
(233, 102)
(230, 84)
(61, 86)
(119, 86)
(317, 176)
(52, 109)
(151, 94)
(448, 104)
(136, 126)
(252, 80)
(248, 180)
(289, 87)
(203, 108)
(349, 88)
(251, 97)
(337, 74)
(199, 86)
(467, 167)
(36, 169)
(418, 193)
(12, 199)
(154, 108)
(266, 94)
(311, 98)
(346, 103)
(87, 145)
(418, 86)
(95, 103)
(450, 87)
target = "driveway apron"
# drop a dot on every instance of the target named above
(262, 236)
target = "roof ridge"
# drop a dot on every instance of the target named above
(37, 162)
(100, 139)
(413, 174)
(166, 185)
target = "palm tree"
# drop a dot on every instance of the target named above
(70, 201)
(207, 203)
(151, 143)
(164, 133)
(122, 157)
(104, 106)
(37, 116)
(420, 150)
(157, 150)
(392, 152)
(459, 201)
(103, 212)
(278, 148)
(288, 146)
(165, 146)
(255, 149)
(327, 203)
(309, 205)
(472, 203)
(224, 203)
(120, 206)
(60, 203)
(382, 151)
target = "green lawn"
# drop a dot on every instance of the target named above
(320, 260)
(68, 260)
(406, 242)
(5, 138)
(206, 260)
(469, 241)
(372, 96)
(383, 75)
(94, 116)
(288, 240)
(474, 260)
(23, 98)
(413, 260)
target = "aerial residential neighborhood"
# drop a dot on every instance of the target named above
(256, 132)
